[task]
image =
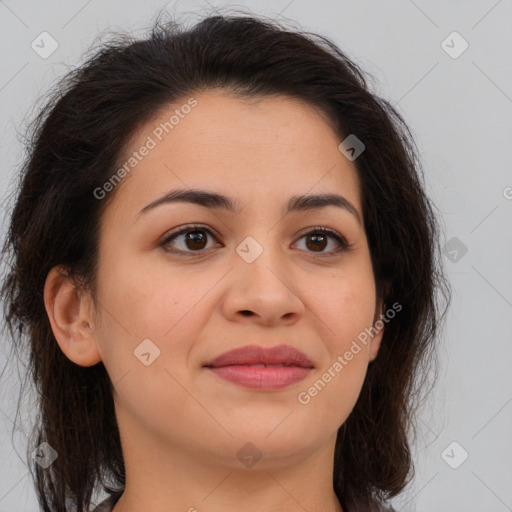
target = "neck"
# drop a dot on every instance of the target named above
(178, 479)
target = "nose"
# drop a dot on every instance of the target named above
(264, 291)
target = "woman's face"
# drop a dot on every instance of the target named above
(247, 276)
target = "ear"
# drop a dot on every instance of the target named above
(71, 318)
(377, 338)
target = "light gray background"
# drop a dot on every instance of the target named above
(460, 111)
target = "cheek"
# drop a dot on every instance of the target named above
(146, 319)
(345, 306)
(153, 301)
(163, 305)
(331, 394)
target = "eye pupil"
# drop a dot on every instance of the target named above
(195, 237)
(315, 239)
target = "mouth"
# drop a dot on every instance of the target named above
(260, 368)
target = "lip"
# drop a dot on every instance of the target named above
(235, 366)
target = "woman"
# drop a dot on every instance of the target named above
(227, 270)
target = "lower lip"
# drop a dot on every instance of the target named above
(263, 379)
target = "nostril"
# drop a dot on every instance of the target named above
(246, 312)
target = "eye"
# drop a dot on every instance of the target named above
(318, 238)
(193, 238)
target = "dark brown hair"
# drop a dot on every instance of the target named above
(75, 146)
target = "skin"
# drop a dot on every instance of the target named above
(181, 426)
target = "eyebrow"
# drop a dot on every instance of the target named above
(214, 200)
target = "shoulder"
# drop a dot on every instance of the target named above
(108, 504)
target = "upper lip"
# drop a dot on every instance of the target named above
(255, 354)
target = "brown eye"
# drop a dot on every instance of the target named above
(318, 239)
(317, 242)
(195, 239)
(189, 239)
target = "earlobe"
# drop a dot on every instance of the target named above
(70, 319)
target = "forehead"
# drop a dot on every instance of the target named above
(220, 118)
(245, 148)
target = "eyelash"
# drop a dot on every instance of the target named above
(345, 246)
